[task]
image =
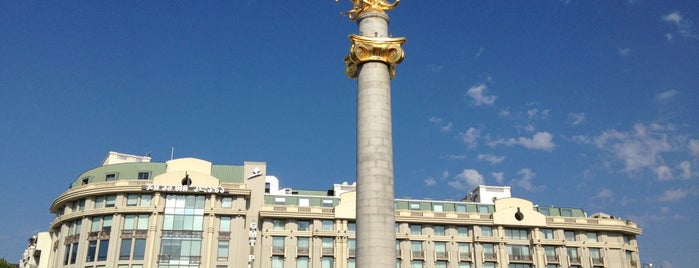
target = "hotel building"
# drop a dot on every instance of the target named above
(133, 213)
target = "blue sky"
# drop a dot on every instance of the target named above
(589, 104)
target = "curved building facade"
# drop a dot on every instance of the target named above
(133, 213)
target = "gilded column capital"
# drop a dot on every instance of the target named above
(363, 6)
(379, 49)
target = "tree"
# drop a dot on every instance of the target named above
(5, 264)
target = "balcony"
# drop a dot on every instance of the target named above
(441, 255)
(224, 235)
(302, 251)
(490, 256)
(520, 258)
(163, 258)
(328, 251)
(418, 254)
(277, 250)
(597, 261)
(552, 259)
(574, 260)
(464, 256)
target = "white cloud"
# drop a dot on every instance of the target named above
(470, 137)
(435, 120)
(663, 173)
(674, 195)
(467, 180)
(637, 149)
(540, 141)
(480, 51)
(446, 128)
(505, 112)
(493, 159)
(576, 118)
(666, 95)
(624, 52)
(684, 25)
(499, 176)
(535, 113)
(693, 146)
(430, 181)
(526, 180)
(605, 193)
(668, 36)
(445, 174)
(456, 156)
(478, 95)
(686, 168)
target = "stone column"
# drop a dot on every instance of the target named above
(372, 60)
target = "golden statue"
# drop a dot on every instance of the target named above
(362, 6)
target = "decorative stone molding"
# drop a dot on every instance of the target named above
(378, 49)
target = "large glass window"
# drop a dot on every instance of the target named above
(518, 252)
(303, 225)
(352, 246)
(278, 224)
(550, 253)
(226, 202)
(417, 264)
(464, 251)
(302, 246)
(182, 230)
(302, 262)
(569, 235)
(462, 231)
(486, 231)
(328, 245)
(277, 245)
(416, 249)
(489, 251)
(225, 224)
(591, 237)
(277, 261)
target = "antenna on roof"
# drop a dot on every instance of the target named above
(172, 152)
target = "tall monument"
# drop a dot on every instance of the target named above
(372, 59)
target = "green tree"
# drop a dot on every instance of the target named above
(5, 264)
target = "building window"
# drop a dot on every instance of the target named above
(550, 254)
(277, 261)
(328, 245)
(132, 249)
(352, 227)
(328, 225)
(135, 222)
(485, 209)
(416, 264)
(225, 224)
(226, 202)
(596, 256)
(101, 224)
(303, 225)
(547, 233)
(440, 264)
(110, 177)
(278, 224)
(518, 252)
(304, 202)
(416, 250)
(327, 262)
(302, 262)
(566, 212)
(143, 175)
(573, 256)
(182, 230)
(462, 231)
(352, 246)
(132, 200)
(85, 180)
(351, 263)
(440, 250)
(415, 229)
(489, 252)
(464, 251)
(464, 264)
(302, 246)
(461, 208)
(438, 230)
(519, 265)
(78, 205)
(111, 199)
(569, 235)
(519, 234)
(488, 265)
(327, 203)
(280, 201)
(486, 231)
(415, 206)
(278, 245)
(437, 207)
(591, 237)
